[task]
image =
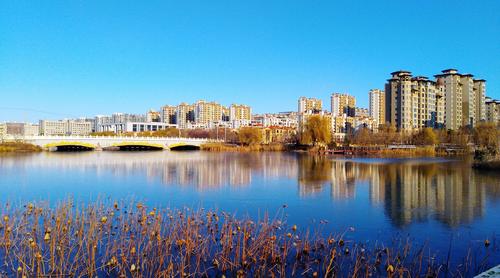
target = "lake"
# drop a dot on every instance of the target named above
(429, 200)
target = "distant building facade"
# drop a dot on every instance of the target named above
(343, 104)
(492, 108)
(65, 127)
(464, 99)
(309, 105)
(376, 108)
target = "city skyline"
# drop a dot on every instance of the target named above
(83, 59)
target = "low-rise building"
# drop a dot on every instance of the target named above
(283, 119)
(279, 134)
(65, 127)
(135, 127)
(21, 129)
(3, 130)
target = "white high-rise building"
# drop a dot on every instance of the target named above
(376, 109)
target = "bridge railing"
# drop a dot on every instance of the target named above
(83, 137)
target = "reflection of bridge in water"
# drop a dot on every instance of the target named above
(81, 143)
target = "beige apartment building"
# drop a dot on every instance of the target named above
(398, 93)
(207, 112)
(168, 114)
(413, 102)
(464, 98)
(240, 112)
(184, 115)
(310, 105)
(376, 110)
(480, 99)
(153, 116)
(342, 104)
(451, 101)
(492, 110)
(451, 81)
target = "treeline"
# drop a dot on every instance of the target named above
(317, 132)
(244, 136)
(485, 135)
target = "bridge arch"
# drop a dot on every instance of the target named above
(70, 146)
(138, 146)
(183, 147)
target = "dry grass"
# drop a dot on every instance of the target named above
(135, 241)
(18, 147)
(220, 147)
(427, 151)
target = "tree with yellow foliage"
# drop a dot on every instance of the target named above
(317, 131)
(249, 136)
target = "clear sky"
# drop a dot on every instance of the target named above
(81, 58)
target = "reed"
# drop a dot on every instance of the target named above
(18, 147)
(426, 151)
(221, 147)
(126, 239)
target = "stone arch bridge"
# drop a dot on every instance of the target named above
(69, 143)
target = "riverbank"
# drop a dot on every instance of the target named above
(488, 160)
(130, 239)
(19, 147)
(221, 147)
(417, 151)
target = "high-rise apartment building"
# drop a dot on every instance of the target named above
(413, 102)
(240, 112)
(207, 112)
(185, 115)
(342, 104)
(168, 114)
(451, 81)
(452, 101)
(153, 116)
(376, 109)
(464, 98)
(310, 105)
(480, 99)
(492, 108)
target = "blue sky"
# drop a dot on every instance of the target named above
(81, 58)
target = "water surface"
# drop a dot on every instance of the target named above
(429, 200)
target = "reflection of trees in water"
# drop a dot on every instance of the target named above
(409, 191)
(314, 173)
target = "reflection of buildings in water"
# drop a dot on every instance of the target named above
(450, 192)
(343, 179)
(416, 192)
(199, 169)
(408, 190)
